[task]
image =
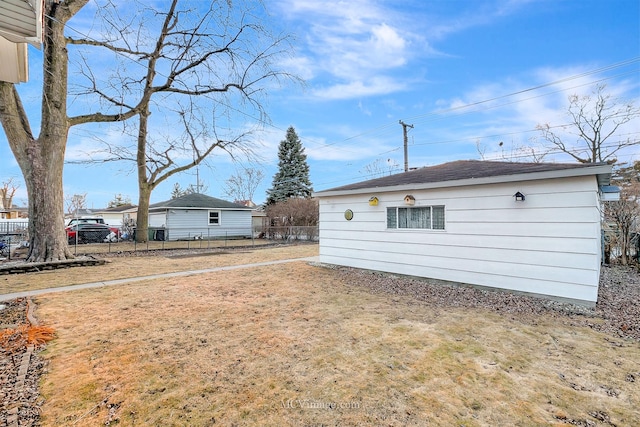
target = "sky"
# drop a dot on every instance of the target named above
(471, 78)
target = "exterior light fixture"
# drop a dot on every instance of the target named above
(519, 197)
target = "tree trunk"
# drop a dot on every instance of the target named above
(142, 221)
(45, 159)
(41, 160)
(624, 245)
(145, 185)
(43, 170)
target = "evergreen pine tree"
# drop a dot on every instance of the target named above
(292, 178)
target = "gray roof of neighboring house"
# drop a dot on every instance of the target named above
(197, 201)
(115, 209)
(469, 172)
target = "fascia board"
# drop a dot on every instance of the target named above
(602, 172)
(192, 208)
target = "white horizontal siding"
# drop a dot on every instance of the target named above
(483, 277)
(548, 244)
(157, 219)
(187, 224)
(581, 257)
(18, 17)
(562, 241)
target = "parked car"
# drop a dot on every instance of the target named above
(89, 233)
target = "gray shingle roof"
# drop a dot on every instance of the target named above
(197, 201)
(461, 170)
(115, 209)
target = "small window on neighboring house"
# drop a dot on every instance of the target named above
(423, 217)
(214, 217)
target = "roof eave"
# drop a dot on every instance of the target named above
(602, 173)
(193, 208)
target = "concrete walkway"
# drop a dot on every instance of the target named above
(7, 297)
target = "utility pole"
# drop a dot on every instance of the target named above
(406, 143)
(198, 179)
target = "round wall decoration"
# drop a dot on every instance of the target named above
(348, 214)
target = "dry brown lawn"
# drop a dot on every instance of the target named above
(134, 266)
(298, 345)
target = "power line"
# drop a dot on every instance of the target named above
(443, 113)
(440, 113)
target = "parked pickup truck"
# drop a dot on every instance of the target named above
(86, 220)
(90, 229)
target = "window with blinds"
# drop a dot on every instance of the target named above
(424, 217)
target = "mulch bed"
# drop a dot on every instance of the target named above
(20, 369)
(19, 267)
(617, 312)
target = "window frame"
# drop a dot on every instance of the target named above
(218, 217)
(404, 218)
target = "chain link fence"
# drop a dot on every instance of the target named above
(14, 234)
(86, 239)
(158, 238)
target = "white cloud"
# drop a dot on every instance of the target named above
(299, 66)
(509, 112)
(351, 42)
(84, 145)
(363, 109)
(358, 88)
(352, 45)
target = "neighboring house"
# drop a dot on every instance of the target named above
(15, 213)
(527, 227)
(200, 216)
(258, 215)
(259, 220)
(247, 203)
(117, 215)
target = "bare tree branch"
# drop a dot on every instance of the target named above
(242, 185)
(596, 118)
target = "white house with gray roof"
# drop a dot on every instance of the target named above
(196, 216)
(532, 228)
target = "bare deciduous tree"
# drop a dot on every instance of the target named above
(294, 217)
(205, 49)
(198, 65)
(76, 203)
(517, 153)
(595, 121)
(624, 213)
(242, 185)
(379, 168)
(178, 191)
(8, 189)
(119, 200)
